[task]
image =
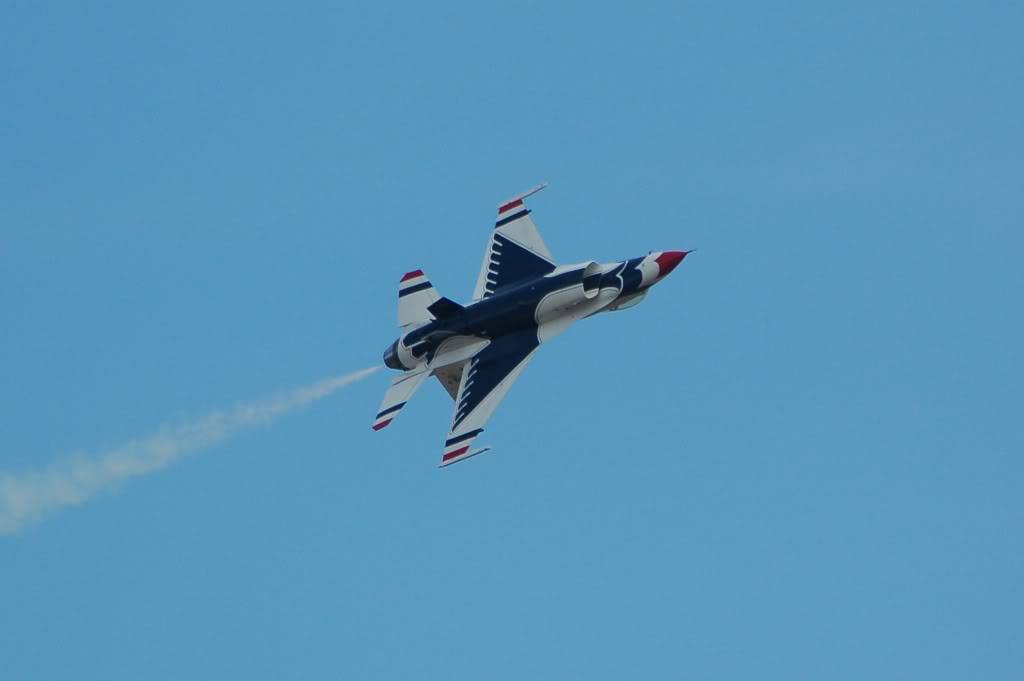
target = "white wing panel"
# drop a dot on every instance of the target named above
(515, 245)
(399, 392)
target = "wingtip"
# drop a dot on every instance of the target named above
(531, 192)
(462, 457)
(518, 199)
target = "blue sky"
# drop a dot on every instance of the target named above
(799, 458)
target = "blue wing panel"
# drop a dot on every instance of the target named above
(490, 367)
(510, 263)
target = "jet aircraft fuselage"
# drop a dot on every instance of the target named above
(521, 300)
(536, 304)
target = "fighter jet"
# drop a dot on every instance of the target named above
(522, 300)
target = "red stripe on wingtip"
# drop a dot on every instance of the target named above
(452, 454)
(378, 426)
(412, 275)
(510, 205)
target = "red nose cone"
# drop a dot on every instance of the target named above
(668, 260)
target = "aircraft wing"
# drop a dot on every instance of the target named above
(516, 250)
(485, 381)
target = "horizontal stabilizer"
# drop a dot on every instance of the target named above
(399, 392)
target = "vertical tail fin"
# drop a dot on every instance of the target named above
(415, 295)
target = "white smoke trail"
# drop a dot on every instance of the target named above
(30, 495)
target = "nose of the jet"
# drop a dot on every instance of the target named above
(668, 261)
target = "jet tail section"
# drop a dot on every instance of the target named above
(415, 296)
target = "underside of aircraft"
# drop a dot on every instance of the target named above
(522, 299)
